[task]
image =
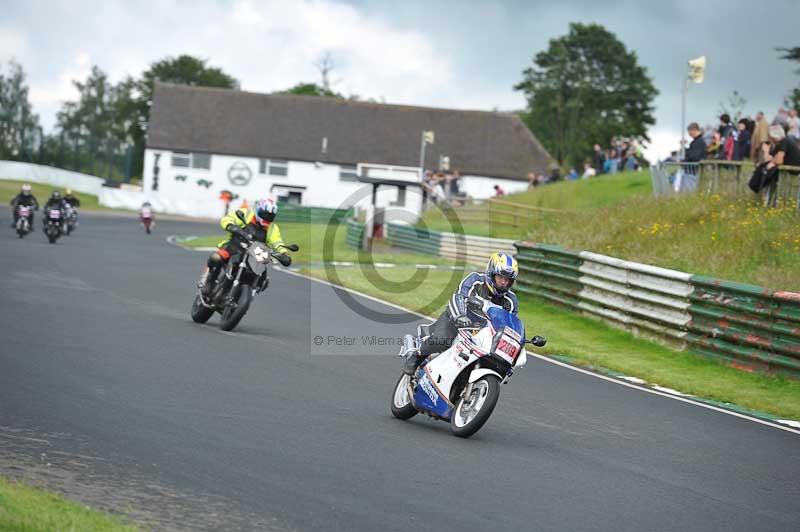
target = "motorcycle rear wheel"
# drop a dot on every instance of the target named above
(402, 408)
(231, 316)
(485, 392)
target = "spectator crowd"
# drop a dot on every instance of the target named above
(757, 140)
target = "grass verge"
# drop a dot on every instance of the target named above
(28, 509)
(728, 237)
(311, 239)
(593, 344)
(9, 189)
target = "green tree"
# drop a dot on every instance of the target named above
(792, 54)
(97, 126)
(311, 89)
(586, 87)
(20, 134)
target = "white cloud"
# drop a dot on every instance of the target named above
(268, 46)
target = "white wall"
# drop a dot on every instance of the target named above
(483, 187)
(324, 188)
(36, 173)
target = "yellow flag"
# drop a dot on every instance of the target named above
(697, 69)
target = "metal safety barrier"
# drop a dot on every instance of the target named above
(313, 215)
(473, 249)
(742, 325)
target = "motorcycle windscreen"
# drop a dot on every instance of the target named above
(502, 318)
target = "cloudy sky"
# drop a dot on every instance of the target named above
(436, 53)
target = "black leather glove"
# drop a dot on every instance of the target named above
(234, 229)
(463, 321)
(285, 259)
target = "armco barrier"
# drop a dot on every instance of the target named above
(355, 233)
(474, 249)
(314, 215)
(745, 325)
(741, 325)
(638, 297)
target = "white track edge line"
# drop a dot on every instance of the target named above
(554, 361)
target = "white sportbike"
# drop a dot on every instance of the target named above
(462, 384)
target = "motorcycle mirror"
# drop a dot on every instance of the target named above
(293, 247)
(539, 341)
(475, 303)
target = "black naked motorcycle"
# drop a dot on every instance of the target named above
(235, 286)
(53, 221)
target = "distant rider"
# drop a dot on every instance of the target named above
(494, 284)
(245, 225)
(71, 199)
(146, 212)
(26, 198)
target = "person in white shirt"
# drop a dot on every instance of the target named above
(588, 171)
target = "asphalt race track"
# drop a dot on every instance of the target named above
(102, 366)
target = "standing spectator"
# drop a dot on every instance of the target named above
(453, 185)
(760, 136)
(728, 134)
(725, 128)
(498, 192)
(533, 182)
(697, 148)
(599, 159)
(588, 171)
(715, 149)
(631, 164)
(794, 125)
(742, 147)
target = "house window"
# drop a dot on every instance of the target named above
(184, 159)
(273, 167)
(294, 198)
(201, 160)
(348, 173)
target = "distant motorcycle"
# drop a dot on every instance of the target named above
(23, 225)
(235, 286)
(53, 223)
(146, 218)
(462, 384)
(70, 219)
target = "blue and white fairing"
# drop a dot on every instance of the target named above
(435, 379)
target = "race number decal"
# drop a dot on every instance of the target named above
(55, 214)
(507, 348)
(261, 254)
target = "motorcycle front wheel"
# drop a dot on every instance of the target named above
(200, 313)
(233, 314)
(402, 408)
(472, 412)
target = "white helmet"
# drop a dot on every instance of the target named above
(26, 189)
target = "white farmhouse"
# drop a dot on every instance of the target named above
(313, 150)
